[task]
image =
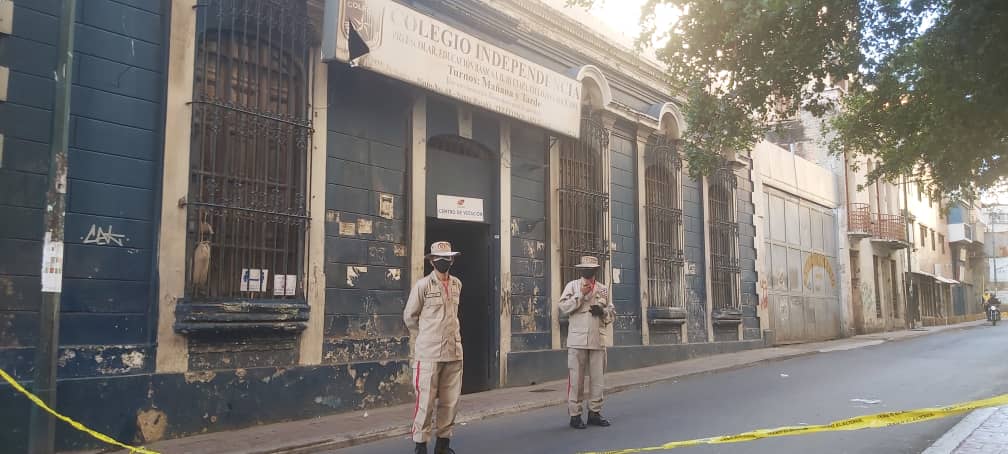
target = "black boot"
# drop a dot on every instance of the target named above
(595, 419)
(441, 447)
(577, 423)
(420, 448)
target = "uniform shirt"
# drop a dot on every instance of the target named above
(585, 330)
(431, 316)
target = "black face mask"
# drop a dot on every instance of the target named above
(442, 265)
(588, 273)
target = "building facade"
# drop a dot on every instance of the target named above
(800, 206)
(996, 248)
(967, 237)
(252, 185)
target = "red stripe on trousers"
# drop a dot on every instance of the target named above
(416, 408)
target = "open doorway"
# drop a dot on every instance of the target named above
(473, 268)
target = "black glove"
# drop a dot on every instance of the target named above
(596, 310)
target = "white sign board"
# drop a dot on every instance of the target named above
(409, 46)
(459, 208)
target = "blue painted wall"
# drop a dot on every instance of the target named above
(366, 253)
(696, 290)
(625, 258)
(530, 306)
(114, 161)
(957, 214)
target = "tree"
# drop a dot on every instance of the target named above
(927, 80)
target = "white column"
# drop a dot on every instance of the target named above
(173, 350)
(505, 247)
(418, 186)
(708, 266)
(314, 276)
(642, 137)
(556, 286)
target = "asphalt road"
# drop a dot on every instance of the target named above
(928, 371)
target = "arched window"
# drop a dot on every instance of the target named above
(247, 202)
(663, 207)
(583, 197)
(725, 270)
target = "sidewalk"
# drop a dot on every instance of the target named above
(983, 431)
(353, 428)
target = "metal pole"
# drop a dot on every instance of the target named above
(42, 426)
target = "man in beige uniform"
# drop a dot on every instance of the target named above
(431, 316)
(586, 303)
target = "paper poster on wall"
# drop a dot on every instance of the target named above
(52, 265)
(279, 282)
(254, 280)
(459, 208)
(386, 206)
(284, 284)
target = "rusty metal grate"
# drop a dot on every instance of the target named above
(724, 237)
(249, 154)
(583, 197)
(663, 208)
(859, 219)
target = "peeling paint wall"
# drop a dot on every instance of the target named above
(114, 152)
(530, 307)
(365, 220)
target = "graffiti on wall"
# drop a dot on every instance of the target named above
(867, 297)
(817, 260)
(103, 237)
(764, 296)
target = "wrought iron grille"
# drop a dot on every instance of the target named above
(583, 197)
(663, 208)
(247, 203)
(724, 236)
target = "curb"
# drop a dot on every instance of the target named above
(340, 442)
(960, 432)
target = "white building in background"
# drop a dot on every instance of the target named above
(996, 248)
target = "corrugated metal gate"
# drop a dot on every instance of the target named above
(802, 282)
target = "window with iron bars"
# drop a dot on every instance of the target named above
(583, 198)
(663, 208)
(724, 238)
(249, 160)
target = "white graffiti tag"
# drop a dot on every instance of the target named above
(103, 237)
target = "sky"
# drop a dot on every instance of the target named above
(618, 19)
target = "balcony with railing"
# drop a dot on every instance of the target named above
(885, 229)
(960, 232)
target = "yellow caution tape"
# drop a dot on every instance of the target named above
(75, 424)
(857, 423)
